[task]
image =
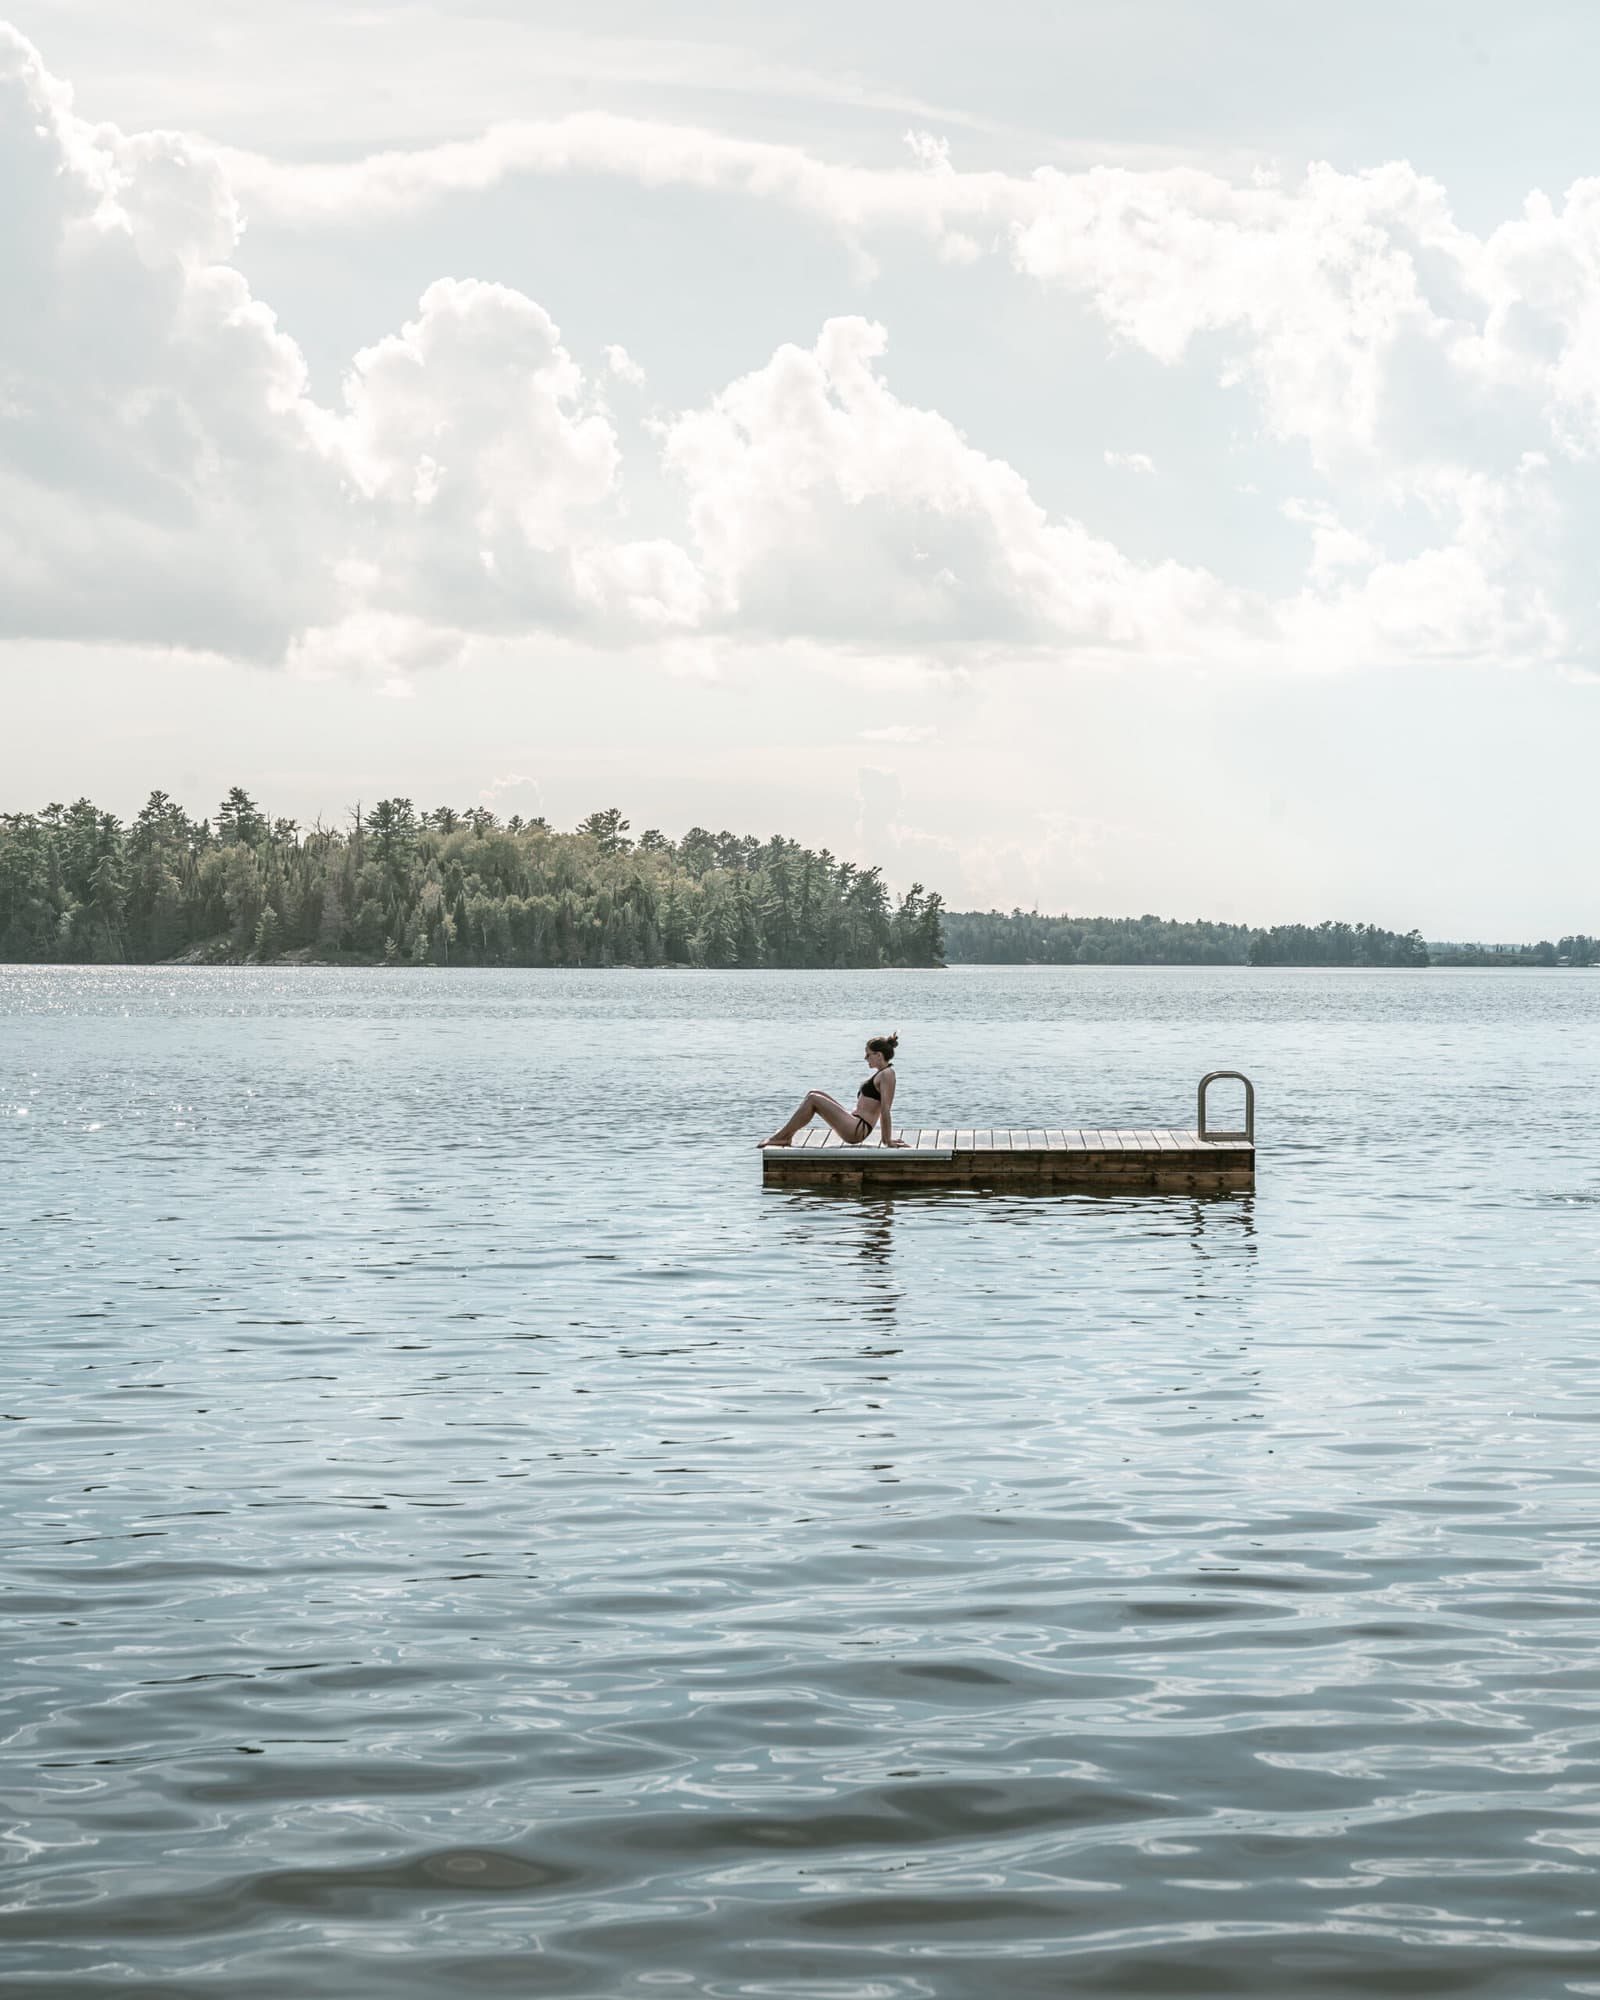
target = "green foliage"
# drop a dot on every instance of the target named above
(1337, 944)
(1576, 950)
(1025, 938)
(992, 937)
(238, 818)
(441, 888)
(462, 888)
(67, 885)
(608, 830)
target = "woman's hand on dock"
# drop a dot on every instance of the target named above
(895, 1142)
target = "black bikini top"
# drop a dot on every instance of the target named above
(870, 1087)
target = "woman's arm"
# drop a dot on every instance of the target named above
(886, 1116)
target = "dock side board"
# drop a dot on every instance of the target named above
(1159, 1161)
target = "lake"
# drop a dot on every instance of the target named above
(463, 1536)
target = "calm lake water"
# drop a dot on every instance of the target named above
(463, 1536)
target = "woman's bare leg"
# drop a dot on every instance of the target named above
(846, 1123)
(818, 1104)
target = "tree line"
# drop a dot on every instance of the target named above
(1574, 949)
(1023, 937)
(450, 887)
(441, 887)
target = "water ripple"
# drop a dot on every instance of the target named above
(463, 1539)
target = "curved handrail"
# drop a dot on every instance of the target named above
(1238, 1076)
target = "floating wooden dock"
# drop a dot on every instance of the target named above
(1150, 1160)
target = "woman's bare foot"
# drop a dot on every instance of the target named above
(777, 1139)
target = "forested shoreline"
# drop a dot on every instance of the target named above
(448, 887)
(441, 887)
(1024, 937)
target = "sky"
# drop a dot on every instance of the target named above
(1104, 459)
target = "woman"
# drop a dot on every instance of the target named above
(874, 1104)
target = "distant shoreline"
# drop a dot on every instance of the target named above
(301, 962)
(445, 887)
(1025, 937)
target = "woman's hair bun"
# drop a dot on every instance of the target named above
(885, 1045)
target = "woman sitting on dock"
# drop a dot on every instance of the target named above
(874, 1104)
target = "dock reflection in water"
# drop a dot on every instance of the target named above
(458, 1545)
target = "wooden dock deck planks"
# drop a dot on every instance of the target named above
(1091, 1159)
(1057, 1139)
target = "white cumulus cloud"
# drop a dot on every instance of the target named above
(163, 473)
(168, 477)
(624, 367)
(823, 505)
(489, 473)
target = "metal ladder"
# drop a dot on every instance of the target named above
(1237, 1076)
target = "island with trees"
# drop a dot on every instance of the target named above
(442, 887)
